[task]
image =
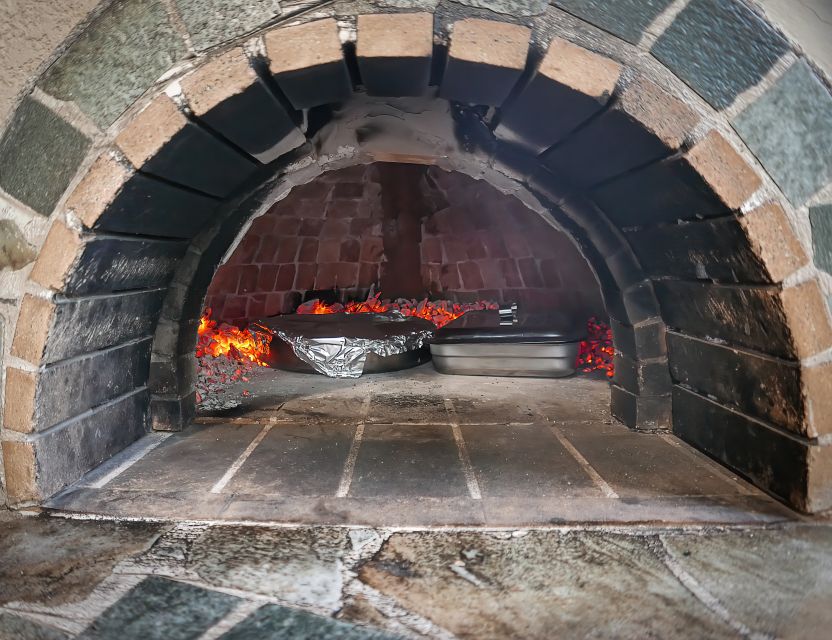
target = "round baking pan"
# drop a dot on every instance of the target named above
(282, 356)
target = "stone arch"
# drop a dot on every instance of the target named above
(630, 163)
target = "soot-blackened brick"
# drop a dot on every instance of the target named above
(772, 460)
(751, 317)
(762, 387)
(111, 197)
(640, 412)
(637, 376)
(227, 95)
(196, 159)
(76, 327)
(642, 126)
(68, 389)
(716, 249)
(643, 341)
(572, 82)
(158, 139)
(172, 414)
(119, 264)
(667, 191)
(256, 122)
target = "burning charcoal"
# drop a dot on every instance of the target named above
(597, 351)
(226, 354)
(440, 312)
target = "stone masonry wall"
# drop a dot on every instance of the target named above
(83, 165)
(338, 232)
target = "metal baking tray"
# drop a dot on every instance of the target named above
(480, 343)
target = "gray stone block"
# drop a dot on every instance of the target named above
(70, 450)
(70, 388)
(274, 621)
(720, 48)
(39, 155)
(76, 327)
(160, 608)
(509, 7)
(116, 59)
(821, 219)
(625, 18)
(12, 626)
(789, 129)
(211, 22)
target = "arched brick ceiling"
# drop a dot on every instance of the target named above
(689, 227)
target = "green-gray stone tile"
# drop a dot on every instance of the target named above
(789, 129)
(821, 219)
(627, 19)
(273, 621)
(116, 59)
(720, 48)
(39, 155)
(161, 608)
(211, 22)
(12, 626)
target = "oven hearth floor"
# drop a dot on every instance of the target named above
(415, 449)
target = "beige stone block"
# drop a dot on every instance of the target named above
(21, 473)
(773, 240)
(302, 46)
(57, 257)
(662, 114)
(579, 69)
(808, 319)
(19, 410)
(719, 164)
(223, 77)
(150, 130)
(395, 35)
(97, 189)
(32, 330)
(499, 44)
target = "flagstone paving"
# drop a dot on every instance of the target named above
(63, 578)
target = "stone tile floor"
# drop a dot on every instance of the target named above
(414, 449)
(67, 578)
(413, 506)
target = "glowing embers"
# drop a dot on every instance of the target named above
(597, 351)
(249, 345)
(439, 312)
(226, 354)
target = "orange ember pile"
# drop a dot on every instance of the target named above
(227, 340)
(439, 312)
(596, 353)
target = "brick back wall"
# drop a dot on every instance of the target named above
(481, 244)
(475, 243)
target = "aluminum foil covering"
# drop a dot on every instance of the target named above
(343, 357)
